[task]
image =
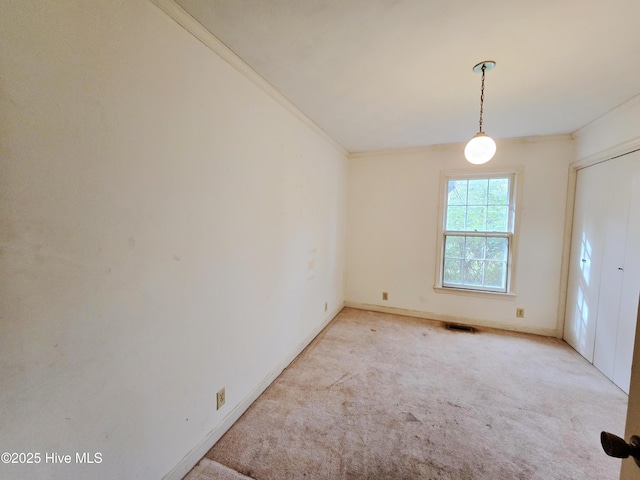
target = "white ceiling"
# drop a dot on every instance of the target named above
(378, 74)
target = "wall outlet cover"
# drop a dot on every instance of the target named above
(220, 398)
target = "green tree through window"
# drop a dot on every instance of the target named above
(478, 228)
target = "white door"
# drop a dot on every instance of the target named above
(630, 279)
(587, 245)
(615, 239)
(629, 468)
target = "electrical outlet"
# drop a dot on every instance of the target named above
(520, 312)
(326, 305)
(220, 398)
(385, 296)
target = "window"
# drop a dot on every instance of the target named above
(477, 232)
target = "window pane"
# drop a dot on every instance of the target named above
(456, 218)
(495, 275)
(497, 219)
(454, 247)
(476, 219)
(457, 192)
(477, 206)
(473, 272)
(476, 262)
(475, 248)
(497, 249)
(499, 191)
(452, 271)
(478, 192)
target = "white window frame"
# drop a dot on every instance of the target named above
(516, 175)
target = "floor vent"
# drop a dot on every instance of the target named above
(460, 328)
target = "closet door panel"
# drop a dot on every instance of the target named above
(615, 238)
(587, 246)
(630, 279)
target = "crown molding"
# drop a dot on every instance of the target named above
(618, 150)
(563, 137)
(613, 134)
(403, 150)
(630, 105)
(195, 28)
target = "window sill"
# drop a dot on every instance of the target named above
(475, 293)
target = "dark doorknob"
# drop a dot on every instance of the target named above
(615, 446)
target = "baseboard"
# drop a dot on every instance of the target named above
(476, 322)
(194, 456)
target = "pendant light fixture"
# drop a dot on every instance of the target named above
(481, 148)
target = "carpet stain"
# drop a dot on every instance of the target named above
(338, 381)
(347, 377)
(410, 417)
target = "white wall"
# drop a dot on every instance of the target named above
(612, 134)
(167, 229)
(393, 228)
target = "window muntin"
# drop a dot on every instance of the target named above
(478, 232)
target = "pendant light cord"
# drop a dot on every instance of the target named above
(484, 67)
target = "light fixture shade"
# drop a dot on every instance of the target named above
(480, 149)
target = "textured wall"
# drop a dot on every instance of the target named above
(167, 229)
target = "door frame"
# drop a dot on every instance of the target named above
(604, 156)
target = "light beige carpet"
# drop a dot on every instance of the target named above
(209, 470)
(380, 396)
